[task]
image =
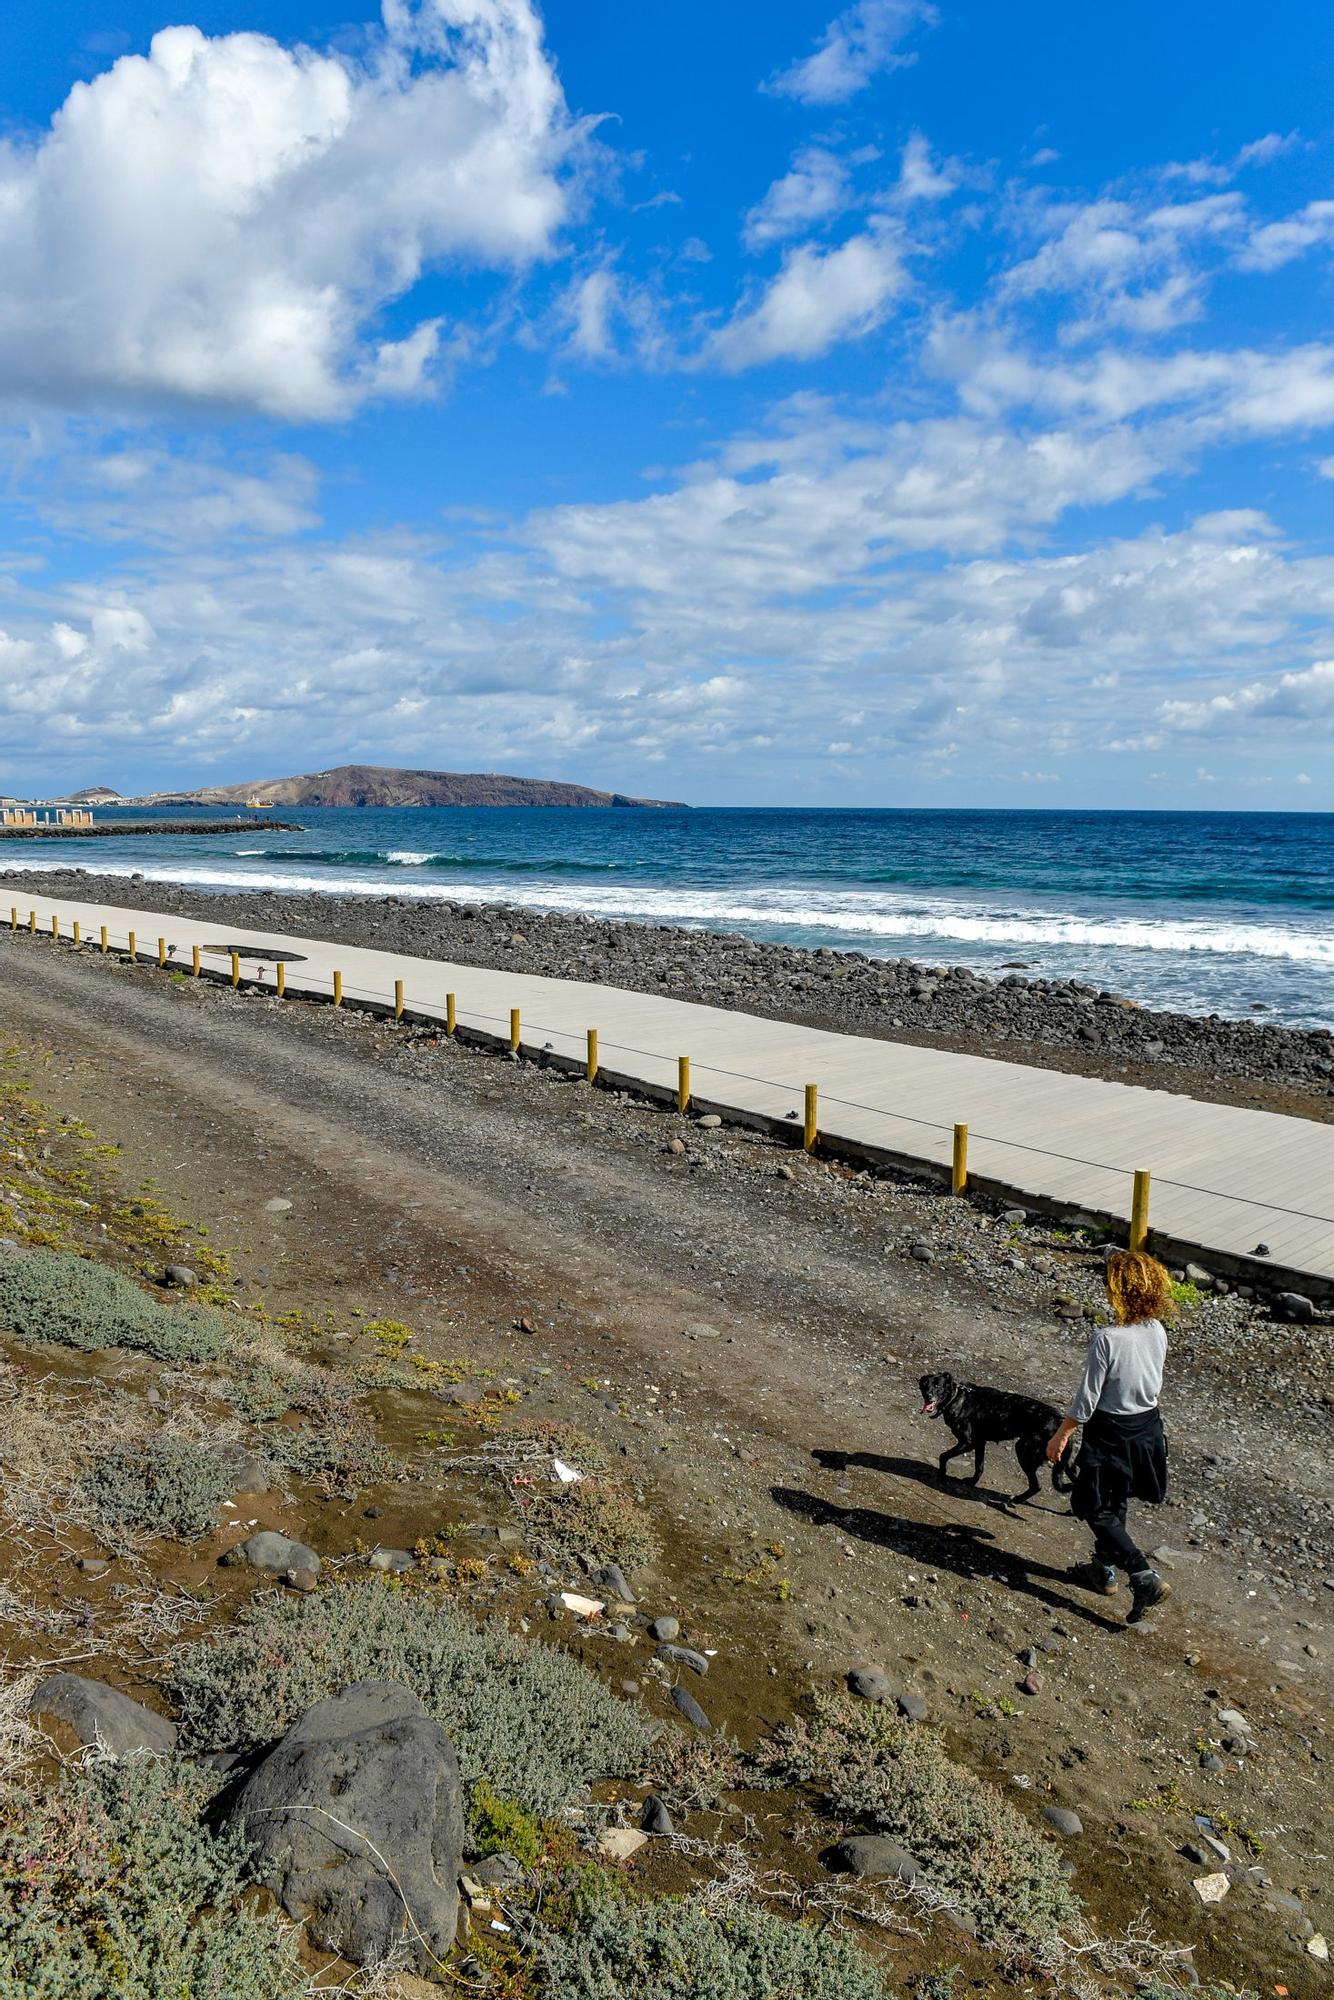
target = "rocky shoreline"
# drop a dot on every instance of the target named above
(1058, 1023)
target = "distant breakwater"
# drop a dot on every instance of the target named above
(120, 829)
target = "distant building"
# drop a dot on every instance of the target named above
(17, 815)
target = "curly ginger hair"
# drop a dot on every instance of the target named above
(1138, 1287)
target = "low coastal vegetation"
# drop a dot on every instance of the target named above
(884, 1774)
(52, 1296)
(165, 1486)
(112, 1888)
(531, 1722)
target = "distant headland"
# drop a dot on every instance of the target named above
(382, 785)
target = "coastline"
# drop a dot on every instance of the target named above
(1055, 1024)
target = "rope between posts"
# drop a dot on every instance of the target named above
(845, 1103)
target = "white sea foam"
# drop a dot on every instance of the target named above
(876, 916)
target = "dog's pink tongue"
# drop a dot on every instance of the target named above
(928, 1409)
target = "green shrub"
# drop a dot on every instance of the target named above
(609, 1945)
(167, 1485)
(497, 1827)
(258, 1391)
(692, 1772)
(535, 1724)
(599, 1517)
(898, 1777)
(49, 1295)
(111, 1890)
(339, 1457)
(597, 1520)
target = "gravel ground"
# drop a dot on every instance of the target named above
(1059, 1024)
(748, 1327)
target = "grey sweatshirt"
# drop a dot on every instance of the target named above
(1124, 1371)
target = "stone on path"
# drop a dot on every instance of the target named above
(684, 1656)
(1063, 1820)
(914, 1707)
(99, 1714)
(618, 1843)
(1211, 1888)
(867, 1854)
(872, 1685)
(665, 1629)
(278, 1206)
(181, 1276)
(612, 1578)
(277, 1554)
(356, 1821)
(655, 1817)
(687, 1706)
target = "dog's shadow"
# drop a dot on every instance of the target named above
(927, 1475)
(971, 1553)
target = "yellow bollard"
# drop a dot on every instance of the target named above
(280, 976)
(236, 968)
(592, 1064)
(162, 951)
(809, 1131)
(515, 1036)
(338, 989)
(104, 939)
(55, 925)
(1139, 1210)
(398, 999)
(32, 921)
(959, 1169)
(13, 917)
(194, 960)
(451, 1021)
(78, 934)
(683, 1083)
(134, 949)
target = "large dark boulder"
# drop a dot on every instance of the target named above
(356, 1819)
(98, 1714)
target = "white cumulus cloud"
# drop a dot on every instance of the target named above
(1274, 244)
(819, 297)
(1303, 696)
(814, 188)
(223, 219)
(858, 43)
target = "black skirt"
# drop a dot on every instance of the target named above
(1120, 1459)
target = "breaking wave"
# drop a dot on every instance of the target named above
(875, 918)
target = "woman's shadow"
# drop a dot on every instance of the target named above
(972, 1553)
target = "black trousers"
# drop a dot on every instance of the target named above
(1112, 1543)
(1120, 1459)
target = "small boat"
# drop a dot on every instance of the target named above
(260, 805)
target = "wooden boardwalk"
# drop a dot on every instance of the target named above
(1224, 1180)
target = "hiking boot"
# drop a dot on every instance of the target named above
(1148, 1589)
(1094, 1576)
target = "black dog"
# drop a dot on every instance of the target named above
(979, 1417)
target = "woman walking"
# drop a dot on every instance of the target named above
(1123, 1453)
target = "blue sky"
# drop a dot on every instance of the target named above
(903, 404)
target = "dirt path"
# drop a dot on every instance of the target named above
(752, 1331)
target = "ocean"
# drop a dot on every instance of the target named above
(1227, 913)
